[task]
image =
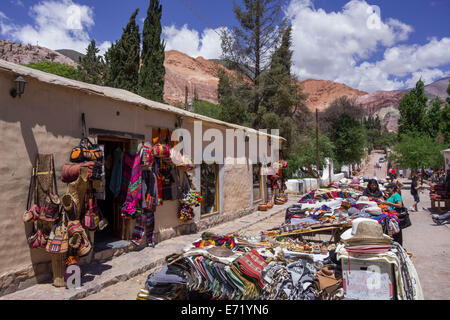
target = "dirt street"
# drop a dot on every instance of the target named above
(424, 239)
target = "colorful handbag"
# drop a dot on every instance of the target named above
(31, 214)
(58, 241)
(91, 218)
(38, 240)
(147, 157)
(50, 210)
(86, 150)
(161, 150)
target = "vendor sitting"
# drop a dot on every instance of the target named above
(394, 200)
(373, 190)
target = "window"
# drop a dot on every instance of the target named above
(257, 185)
(209, 188)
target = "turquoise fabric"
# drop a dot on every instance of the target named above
(394, 199)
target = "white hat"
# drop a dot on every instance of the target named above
(374, 210)
(365, 230)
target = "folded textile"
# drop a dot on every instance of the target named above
(71, 171)
(252, 264)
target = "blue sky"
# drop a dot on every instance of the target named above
(332, 39)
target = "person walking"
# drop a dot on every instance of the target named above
(415, 187)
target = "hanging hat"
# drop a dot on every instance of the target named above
(365, 231)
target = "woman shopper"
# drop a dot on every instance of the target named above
(395, 202)
(373, 190)
(415, 192)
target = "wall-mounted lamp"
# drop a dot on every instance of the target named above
(179, 124)
(20, 87)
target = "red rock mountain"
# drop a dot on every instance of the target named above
(196, 73)
(385, 105)
(323, 92)
(201, 75)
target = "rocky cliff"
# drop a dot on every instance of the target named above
(198, 74)
(323, 92)
(25, 54)
(385, 105)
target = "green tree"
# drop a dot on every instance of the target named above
(248, 47)
(330, 117)
(412, 110)
(418, 150)
(151, 76)
(444, 125)
(91, 66)
(349, 140)
(207, 109)
(303, 155)
(56, 68)
(122, 59)
(283, 102)
(432, 118)
(233, 94)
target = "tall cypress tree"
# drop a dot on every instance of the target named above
(91, 66)
(122, 59)
(151, 76)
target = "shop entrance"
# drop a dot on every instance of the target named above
(112, 204)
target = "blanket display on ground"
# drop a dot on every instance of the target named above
(283, 264)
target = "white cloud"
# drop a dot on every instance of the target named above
(338, 45)
(189, 41)
(104, 47)
(58, 24)
(17, 3)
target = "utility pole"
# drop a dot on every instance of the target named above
(317, 142)
(186, 98)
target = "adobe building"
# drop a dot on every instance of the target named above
(46, 119)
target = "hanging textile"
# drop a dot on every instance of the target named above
(116, 173)
(145, 224)
(134, 176)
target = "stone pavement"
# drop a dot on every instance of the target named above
(98, 276)
(128, 290)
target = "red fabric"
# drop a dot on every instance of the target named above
(252, 264)
(71, 171)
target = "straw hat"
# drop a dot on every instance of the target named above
(365, 231)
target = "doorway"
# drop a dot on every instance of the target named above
(112, 204)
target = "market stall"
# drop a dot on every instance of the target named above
(130, 183)
(357, 259)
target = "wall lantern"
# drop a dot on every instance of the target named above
(20, 87)
(179, 124)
